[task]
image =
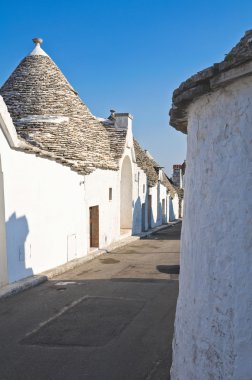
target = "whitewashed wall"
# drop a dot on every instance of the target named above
(213, 329)
(173, 208)
(141, 191)
(175, 204)
(44, 212)
(140, 197)
(3, 255)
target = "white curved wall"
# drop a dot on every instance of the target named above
(44, 210)
(3, 257)
(213, 328)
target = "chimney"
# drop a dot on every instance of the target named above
(176, 177)
(123, 120)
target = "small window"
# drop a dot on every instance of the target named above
(143, 188)
(110, 193)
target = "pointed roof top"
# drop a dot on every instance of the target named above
(51, 118)
(37, 50)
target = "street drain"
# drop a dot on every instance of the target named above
(109, 261)
(60, 289)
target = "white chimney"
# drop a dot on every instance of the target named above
(123, 120)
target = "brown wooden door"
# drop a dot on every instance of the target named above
(94, 226)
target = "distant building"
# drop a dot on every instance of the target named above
(178, 175)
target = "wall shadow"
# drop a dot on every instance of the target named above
(171, 210)
(137, 217)
(141, 211)
(18, 254)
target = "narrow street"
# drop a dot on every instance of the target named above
(109, 319)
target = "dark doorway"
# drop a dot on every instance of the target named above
(94, 226)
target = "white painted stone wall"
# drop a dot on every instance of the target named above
(140, 197)
(213, 328)
(44, 210)
(3, 255)
(175, 204)
(158, 192)
(126, 193)
(173, 207)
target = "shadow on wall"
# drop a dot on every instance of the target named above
(171, 210)
(159, 207)
(143, 218)
(18, 253)
(137, 217)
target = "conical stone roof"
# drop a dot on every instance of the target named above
(51, 118)
(146, 164)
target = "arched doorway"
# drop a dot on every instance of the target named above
(3, 258)
(126, 195)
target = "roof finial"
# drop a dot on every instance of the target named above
(37, 50)
(37, 41)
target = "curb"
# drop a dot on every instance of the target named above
(29, 282)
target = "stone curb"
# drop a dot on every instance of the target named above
(28, 282)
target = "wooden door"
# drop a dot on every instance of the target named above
(94, 226)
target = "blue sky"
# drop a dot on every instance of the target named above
(127, 55)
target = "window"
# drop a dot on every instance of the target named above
(110, 193)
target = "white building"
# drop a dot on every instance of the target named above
(213, 327)
(69, 182)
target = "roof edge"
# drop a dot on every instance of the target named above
(237, 64)
(7, 126)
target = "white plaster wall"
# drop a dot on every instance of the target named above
(153, 193)
(173, 208)
(3, 254)
(158, 192)
(213, 328)
(140, 196)
(126, 193)
(44, 212)
(163, 195)
(175, 203)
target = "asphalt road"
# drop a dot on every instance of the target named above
(109, 319)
